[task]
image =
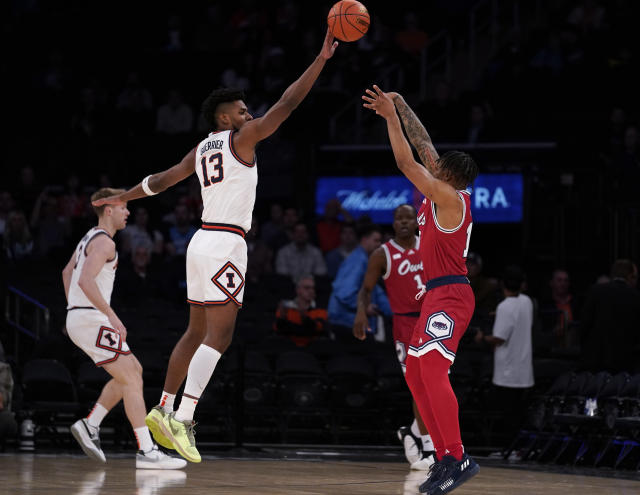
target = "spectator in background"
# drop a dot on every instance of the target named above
(348, 242)
(284, 234)
(8, 424)
(175, 116)
(138, 283)
(559, 308)
(274, 227)
(135, 106)
(179, 235)
(299, 257)
(259, 254)
(299, 319)
(51, 230)
(609, 322)
(343, 302)
(328, 226)
(18, 242)
(511, 340)
(74, 205)
(411, 38)
(627, 163)
(485, 290)
(27, 191)
(139, 232)
(6, 205)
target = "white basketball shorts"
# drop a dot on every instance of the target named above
(91, 331)
(216, 265)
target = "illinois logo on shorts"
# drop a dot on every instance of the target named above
(109, 339)
(230, 281)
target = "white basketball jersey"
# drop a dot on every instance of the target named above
(104, 279)
(227, 182)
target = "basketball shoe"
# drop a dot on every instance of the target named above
(153, 421)
(89, 439)
(448, 474)
(182, 435)
(411, 443)
(156, 459)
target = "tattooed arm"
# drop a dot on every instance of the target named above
(418, 135)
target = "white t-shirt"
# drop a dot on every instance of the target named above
(512, 363)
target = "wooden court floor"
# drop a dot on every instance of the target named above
(75, 475)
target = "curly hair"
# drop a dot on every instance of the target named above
(460, 167)
(215, 98)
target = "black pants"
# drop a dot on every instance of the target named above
(512, 403)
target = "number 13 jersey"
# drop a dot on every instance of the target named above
(227, 182)
(444, 251)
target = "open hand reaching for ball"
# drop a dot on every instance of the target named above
(379, 102)
(329, 46)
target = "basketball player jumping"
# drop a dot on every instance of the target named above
(94, 327)
(398, 263)
(445, 230)
(225, 163)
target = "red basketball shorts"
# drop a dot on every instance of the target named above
(403, 326)
(444, 317)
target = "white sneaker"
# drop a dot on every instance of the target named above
(156, 459)
(425, 463)
(89, 439)
(411, 443)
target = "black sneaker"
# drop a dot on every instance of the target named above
(449, 474)
(411, 443)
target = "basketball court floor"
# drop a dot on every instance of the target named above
(77, 475)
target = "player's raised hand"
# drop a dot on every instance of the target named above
(110, 200)
(379, 102)
(329, 46)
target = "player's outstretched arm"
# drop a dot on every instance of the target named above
(416, 132)
(436, 190)
(258, 129)
(376, 267)
(155, 183)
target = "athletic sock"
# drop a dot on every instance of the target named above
(201, 368)
(166, 401)
(144, 438)
(96, 415)
(414, 428)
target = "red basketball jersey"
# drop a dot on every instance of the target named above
(403, 278)
(444, 251)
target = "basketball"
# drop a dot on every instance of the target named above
(348, 20)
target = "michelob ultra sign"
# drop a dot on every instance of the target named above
(495, 198)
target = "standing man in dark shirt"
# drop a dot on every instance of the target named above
(610, 322)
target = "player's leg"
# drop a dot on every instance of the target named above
(127, 372)
(220, 320)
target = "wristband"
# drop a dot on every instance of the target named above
(145, 186)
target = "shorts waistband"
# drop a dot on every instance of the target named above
(81, 307)
(224, 227)
(414, 314)
(446, 280)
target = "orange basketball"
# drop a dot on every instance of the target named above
(348, 20)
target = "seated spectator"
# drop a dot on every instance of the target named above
(609, 322)
(8, 424)
(179, 235)
(343, 301)
(138, 283)
(274, 227)
(299, 319)
(51, 230)
(18, 242)
(559, 309)
(175, 116)
(299, 257)
(284, 233)
(259, 255)
(328, 226)
(348, 242)
(138, 232)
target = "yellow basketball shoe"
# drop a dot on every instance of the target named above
(182, 436)
(153, 421)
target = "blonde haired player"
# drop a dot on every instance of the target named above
(96, 329)
(225, 164)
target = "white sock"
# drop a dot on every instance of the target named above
(96, 415)
(415, 429)
(201, 368)
(166, 401)
(144, 438)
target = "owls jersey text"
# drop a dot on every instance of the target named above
(444, 251)
(104, 279)
(403, 278)
(227, 183)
